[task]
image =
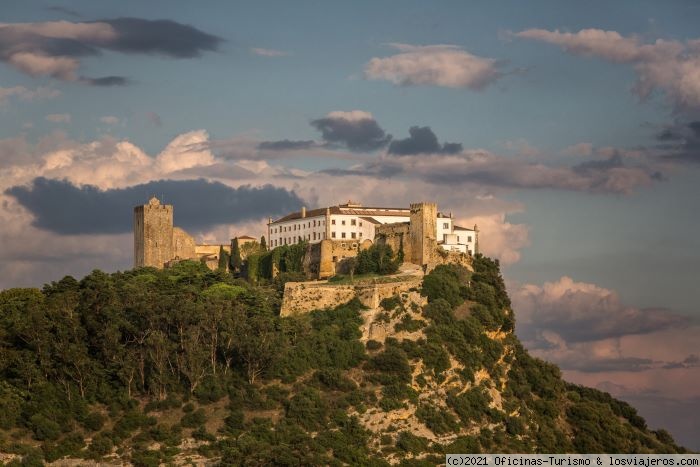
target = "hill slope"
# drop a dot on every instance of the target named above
(186, 364)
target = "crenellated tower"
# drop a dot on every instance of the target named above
(153, 234)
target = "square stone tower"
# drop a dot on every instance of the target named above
(423, 232)
(153, 234)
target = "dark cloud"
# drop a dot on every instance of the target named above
(422, 140)
(581, 312)
(59, 206)
(55, 48)
(680, 142)
(357, 134)
(614, 161)
(64, 10)
(165, 37)
(286, 145)
(106, 81)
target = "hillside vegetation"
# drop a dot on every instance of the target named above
(185, 364)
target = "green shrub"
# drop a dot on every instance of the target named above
(44, 428)
(373, 345)
(101, 445)
(94, 421)
(447, 282)
(193, 419)
(390, 303)
(408, 442)
(439, 421)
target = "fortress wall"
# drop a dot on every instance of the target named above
(183, 244)
(304, 297)
(396, 236)
(325, 258)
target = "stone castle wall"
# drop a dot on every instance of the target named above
(304, 297)
(157, 243)
(396, 236)
(183, 244)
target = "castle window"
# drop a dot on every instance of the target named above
(342, 222)
(353, 222)
(314, 223)
(360, 223)
(360, 234)
(353, 235)
(445, 225)
(469, 238)
(342, 235)
(333, 221)
(333, 234)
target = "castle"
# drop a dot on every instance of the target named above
(158, 243)
(337, 233)
(334, 235)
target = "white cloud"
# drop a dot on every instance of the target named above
(38, 65)
(351, 115)
(580, 149)
(438, 65)
(58, 118)
(109, 120)
(268, 52)
(23, 93)
(669, 65)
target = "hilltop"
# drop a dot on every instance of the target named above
(191, 365)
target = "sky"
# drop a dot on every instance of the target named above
(569, 132)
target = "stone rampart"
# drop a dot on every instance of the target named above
(303, 297)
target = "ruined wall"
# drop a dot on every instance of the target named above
(423, 233)
(153, 234)
(396, 236)
(303, 297)
(325, 259)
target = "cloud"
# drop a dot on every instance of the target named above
(357, 130)
(422, 141)
(105, 81)
(61, 207)
(154, 119)
(25, 94)
(580, 149)
(64, 10)
(484, 168)
(680, 142)
(669, 65)
(579, 311)
(55, 48)
(286, 145)
(109, 120)
(58, 118)
(267, 52)
(437, 65)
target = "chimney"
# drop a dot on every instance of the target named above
(303, 211)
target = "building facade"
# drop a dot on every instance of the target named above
(354, 223)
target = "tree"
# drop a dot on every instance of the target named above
(224, 258)
(263, 243)
(235, 261)
(258, 341)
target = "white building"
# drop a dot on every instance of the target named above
(355, 223)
